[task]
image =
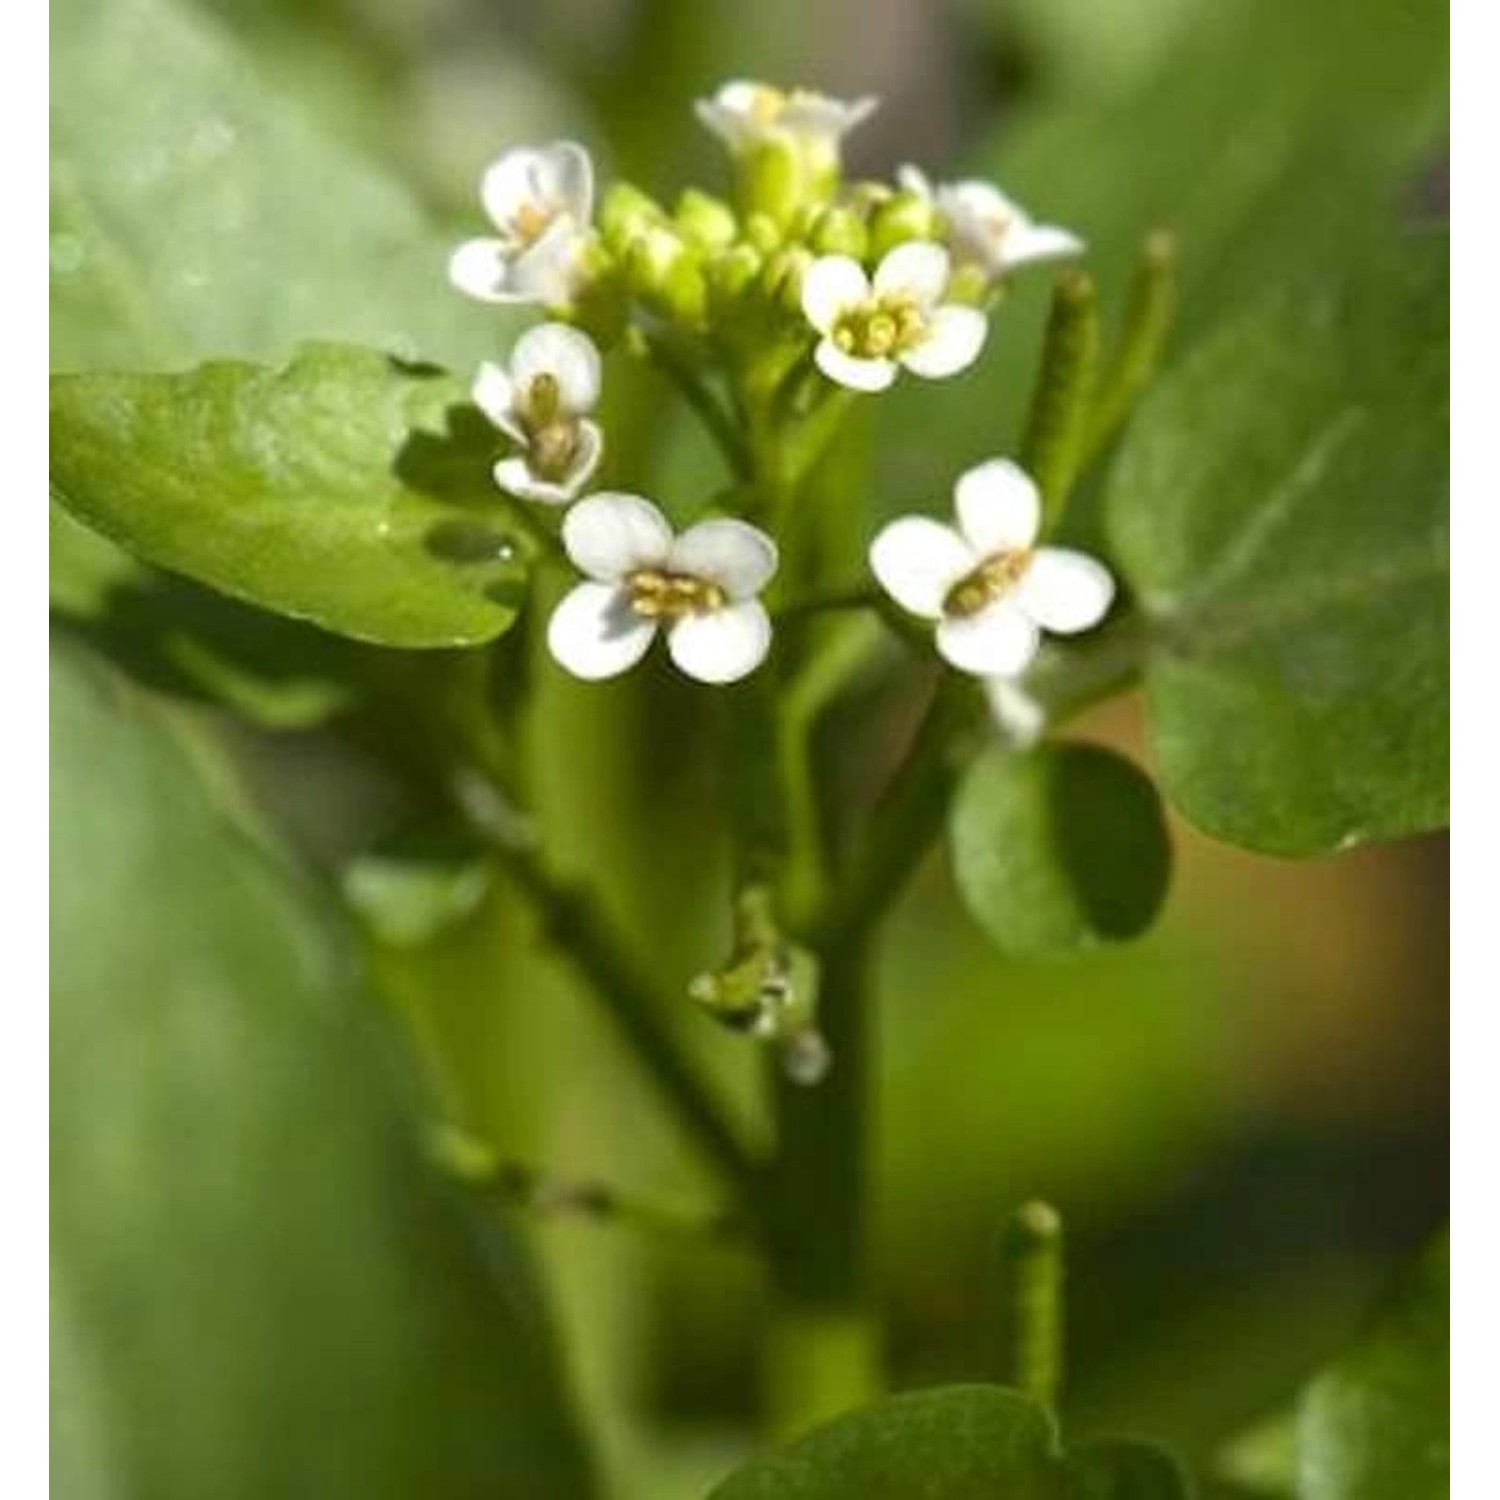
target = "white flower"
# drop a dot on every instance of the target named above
(542, 402)
(987, 229)
(991, 589)
(541, 200)
(745, 115)
(699, 587)
(869, 328)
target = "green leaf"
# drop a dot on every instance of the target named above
(196, 214)
(345, 489)
(1374, 1426)
(961, 1442)
(260, 1285)
(1124, 1469)
(1280, 510)
(1059, 850)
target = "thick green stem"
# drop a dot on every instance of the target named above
(822, 1354)
(683, 372)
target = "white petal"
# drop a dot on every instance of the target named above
(816, 114)
(495, 396)
(1021, 720)
(857, 374)
(566, 175)
(982, 202)
(914, 180)
(509, 185)
(1065, 591)
(1035, 244)
(831, 286)
(516, 476)
(999, 507)
(999, 641)
(565, 353)
(595, 633)
(722, 646)
(545, 271)
(954, 337)
(739, 557)
(917, 560)
(481, 268)
(919, 268)
(609, 535)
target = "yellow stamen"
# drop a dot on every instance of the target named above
(532, 220)
(658, 595)
(995, 577)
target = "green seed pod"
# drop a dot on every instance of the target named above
(772, 179)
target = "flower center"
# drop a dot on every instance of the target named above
(766, 106)
(532, 219)
(552, 448)
(656, 594)
(881, 327)
(995, 577)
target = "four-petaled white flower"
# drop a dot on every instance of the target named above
(870, 328)
(541, 200)
(543, 402)
(745, 115)
(699, 587)
(989, 587)
(987, 229)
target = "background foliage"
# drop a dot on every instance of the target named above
(1241, 1114)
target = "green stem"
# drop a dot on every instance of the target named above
(586, 942)
(1034, 1263)
(822, 1354)
(683, 373)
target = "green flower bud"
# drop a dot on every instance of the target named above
(839, 231)
(782, 277)
(650, 258)
(902, 217)
(772, 179)
(731, 274)
(762, 233)
(684, 293)
(626, 214)
(707, 221)
(970, 284)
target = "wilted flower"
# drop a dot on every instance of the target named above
(870, 329)
(989, 587)
(541, 200)
(987, 229)
(699, 587)
(542, 402)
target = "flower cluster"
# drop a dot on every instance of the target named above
(803, 285)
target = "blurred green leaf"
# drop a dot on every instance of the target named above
(1059, 850)
(1374, 1425)
(260, 1285)
(196, 214)
(344, 489)
(1124, 1469)
(957, 1442)
(963, 1442)
(1280, 509)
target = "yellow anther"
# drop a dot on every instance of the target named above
(532, 220)
(658, 595)
(995, 577)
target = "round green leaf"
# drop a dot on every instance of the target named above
(260, 1286)
(346, 489)
(956, 1442)
(1059, 850)
(1280, 511)
(1374, 1426)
